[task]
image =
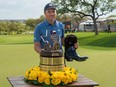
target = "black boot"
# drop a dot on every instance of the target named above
(80, 58)
(71, 54)
(68, 54)
(68, 58)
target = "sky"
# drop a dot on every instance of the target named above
(24, 9)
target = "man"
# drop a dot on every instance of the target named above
(109, 30)
(50, 25)
(44, 29)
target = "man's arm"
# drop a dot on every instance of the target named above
(37, 47)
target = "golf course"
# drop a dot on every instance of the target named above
(17, 55)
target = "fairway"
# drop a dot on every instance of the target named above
(17, 55)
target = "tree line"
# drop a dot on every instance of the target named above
(8, 27)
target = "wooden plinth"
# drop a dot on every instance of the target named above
(81, 82)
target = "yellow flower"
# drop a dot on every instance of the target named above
(33, 75)
(65, 79)
(41, 79)
(73, 70)
(55, 81)
(66, 76)
(74, 77)
(47, 81)
(66, 69)
(58, 81)
(27, 74)
(46, 75)
(39, 73)
(42, 76)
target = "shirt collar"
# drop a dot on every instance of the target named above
(47, 23)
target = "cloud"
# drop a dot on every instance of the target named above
(21, 9)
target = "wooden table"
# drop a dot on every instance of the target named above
(81, 82)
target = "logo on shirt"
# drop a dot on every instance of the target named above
(59, 30)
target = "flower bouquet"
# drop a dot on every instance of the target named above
(49, 79)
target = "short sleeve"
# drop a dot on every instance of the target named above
(37, 35)
(62, 27)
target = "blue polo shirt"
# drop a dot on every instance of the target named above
(44, 30)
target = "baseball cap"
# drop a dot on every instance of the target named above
(48, 6)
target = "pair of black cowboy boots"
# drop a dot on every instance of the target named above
(70, 50)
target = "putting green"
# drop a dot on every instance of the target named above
(17, 55)
(16, 59)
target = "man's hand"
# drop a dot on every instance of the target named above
(37, 47)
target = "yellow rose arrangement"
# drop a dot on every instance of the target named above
(49, 79)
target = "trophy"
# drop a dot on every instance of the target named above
(51, 57)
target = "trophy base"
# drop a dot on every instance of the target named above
(51, 68)
(51, 53)
(51, 63)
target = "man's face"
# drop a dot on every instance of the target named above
(50, 14)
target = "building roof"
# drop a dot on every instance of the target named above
(101, 19)
(111, 18)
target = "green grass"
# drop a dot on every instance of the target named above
(15, 60)
(17, 55)
(16, 39)
(102, 41)
(100, 66)
(87, 40)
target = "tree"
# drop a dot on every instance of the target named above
(4, 27)
(78, 20)
(8, 27)
(1, 27)
(30, 23)
(33, 22)
(91, 8)
(41, 18)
